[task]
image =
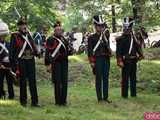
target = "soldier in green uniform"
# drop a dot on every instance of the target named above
(22, 56)
(128, 51)
(56, 61)
(99, 53)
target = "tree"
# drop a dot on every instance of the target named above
(35, 10)
(138, 10)
(80, 12)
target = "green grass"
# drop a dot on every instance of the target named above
(152, 53)
(82, 102)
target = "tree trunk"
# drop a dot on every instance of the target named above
(138, 10)
(113, 19)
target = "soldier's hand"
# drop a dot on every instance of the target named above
(110, 53)
(140, 57)
(38, 55)
(17, 73)
(49, 68)
(2, 66)
(120, 64)
(92, 65)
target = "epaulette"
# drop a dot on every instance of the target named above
(91, 35)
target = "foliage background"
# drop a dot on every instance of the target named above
(78, 12)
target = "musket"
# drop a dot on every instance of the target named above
(17, 12)
(26, 28)
(50, 22)
(134, 38)
(20, 17)
(100, 40)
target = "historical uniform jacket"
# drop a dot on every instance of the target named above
(102, 50)
(17, 44)
(4, 53)
(51, 45)
(39, 38)
(123, 47)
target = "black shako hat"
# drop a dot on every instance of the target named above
(128, 22)
(98, 20)
(57, 23)
(22, 21)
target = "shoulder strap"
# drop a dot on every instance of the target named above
(131, 45)
(60, 42)
(99, 41)
(27, 40)
(22, 50)
(24, 45)
(58, 47)
(3, 48)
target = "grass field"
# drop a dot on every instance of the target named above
(82, 102)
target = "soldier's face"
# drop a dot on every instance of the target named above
(99, 28)
(23, 28)
(2, 37)
(143, 29)
(58, 30)
(127, 31)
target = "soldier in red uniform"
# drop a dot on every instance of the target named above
(56, 61)
(22, 55)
